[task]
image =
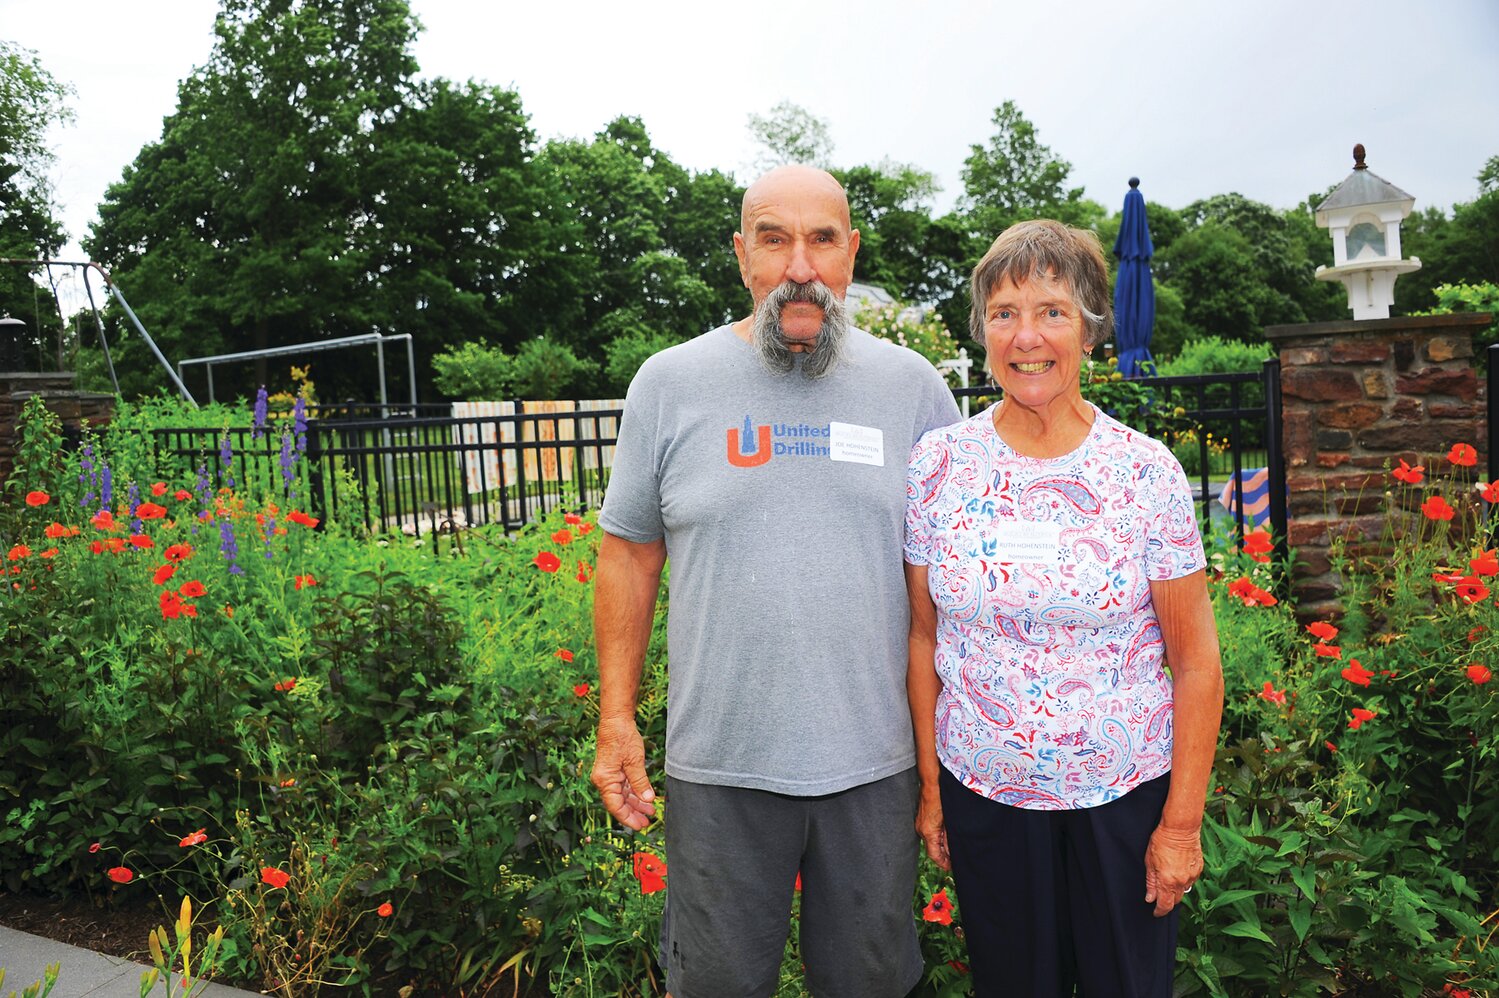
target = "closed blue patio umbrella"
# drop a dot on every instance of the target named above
(1134, 295)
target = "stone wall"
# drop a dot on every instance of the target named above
(1356, 398)
(76, 409)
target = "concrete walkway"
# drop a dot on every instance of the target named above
(84, 972)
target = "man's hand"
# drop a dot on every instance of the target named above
(930, 827)
(619, 773)
(1173, 862)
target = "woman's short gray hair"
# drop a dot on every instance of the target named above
(1045, 248)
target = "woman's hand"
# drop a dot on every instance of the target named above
(930, 827)
(1173, 862)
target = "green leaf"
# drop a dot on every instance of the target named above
(1306, 879)
(1248, 930)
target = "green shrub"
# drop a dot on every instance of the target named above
(1215, 355)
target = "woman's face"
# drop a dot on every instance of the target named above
(1033, 333)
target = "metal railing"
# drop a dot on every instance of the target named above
(418, 469)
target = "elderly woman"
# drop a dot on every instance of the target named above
(1055, 572)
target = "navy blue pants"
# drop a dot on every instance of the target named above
(1055, 900)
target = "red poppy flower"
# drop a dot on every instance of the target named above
(1407, 474)
(171, 605)
(301, 519)
(140, 541)
(1258, 545)
(274, 877)
(1489, 490)
(1327, 651)
(228, 611)
(1330, 746)
(1322, 630)
(50, 553)
(582, 690)
(547, 562)
(1485, 564)
(164, 573)
(150, 511)
(1271, 694)
(159, 489)
(1436, 508)
(286, 684)
(386, 910)
(1472, 589)
(288, 783)
(562, 537)
(650, 871)
(1356, 673)
(1480, 674)
(56, 530)
(1360, 715)
(120, 874)
(571, 519)
(195, 839)
(177, 552)
(303, 582)
(1475, 633)
(18, 552)
(182, 495)
(938, 909)
(37, 498)
(94, 847)
(103, 520)
(585, 528)
(192, 589)
(564, 654)
(1463, 455)
(584, 572)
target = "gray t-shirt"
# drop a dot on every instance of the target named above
(781, 500)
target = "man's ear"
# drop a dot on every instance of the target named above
(740, 252)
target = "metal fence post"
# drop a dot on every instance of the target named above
(316, 501)
(1275, 458)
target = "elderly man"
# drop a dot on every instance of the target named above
(767, 459)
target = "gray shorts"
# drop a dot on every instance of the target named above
(734, 854)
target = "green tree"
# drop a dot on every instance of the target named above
(30, 100)
(241, 227)
(1015, 177)
(791, 134)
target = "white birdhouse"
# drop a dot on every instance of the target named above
(1364, 215)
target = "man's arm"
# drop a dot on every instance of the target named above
(624, 605)
(1174, 859)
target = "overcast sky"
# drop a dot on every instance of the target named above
(1196, 98)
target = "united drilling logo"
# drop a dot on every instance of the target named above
(775, 440)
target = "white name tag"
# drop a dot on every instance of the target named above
(860, 444)
(1024, 540)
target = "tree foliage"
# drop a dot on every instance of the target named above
(790, 133)
(31, 99)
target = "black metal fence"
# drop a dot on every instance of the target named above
(414, 470)
(402, 472)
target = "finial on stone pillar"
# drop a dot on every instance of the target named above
(1134, 182)
(1358, 157)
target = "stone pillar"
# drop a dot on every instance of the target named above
(76, 409)
(1356, 398)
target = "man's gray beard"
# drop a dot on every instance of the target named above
(774, 347)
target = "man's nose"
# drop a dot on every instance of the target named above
(800, 268)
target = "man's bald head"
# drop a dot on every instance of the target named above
(788, 185)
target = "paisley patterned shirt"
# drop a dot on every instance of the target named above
(1054, 692)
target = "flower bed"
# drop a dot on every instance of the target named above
(366, 759)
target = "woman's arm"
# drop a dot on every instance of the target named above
(922, 687)
(1173, 861)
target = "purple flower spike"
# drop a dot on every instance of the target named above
(257, 429)
(226, 462)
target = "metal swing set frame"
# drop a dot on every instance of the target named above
(378, 340)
